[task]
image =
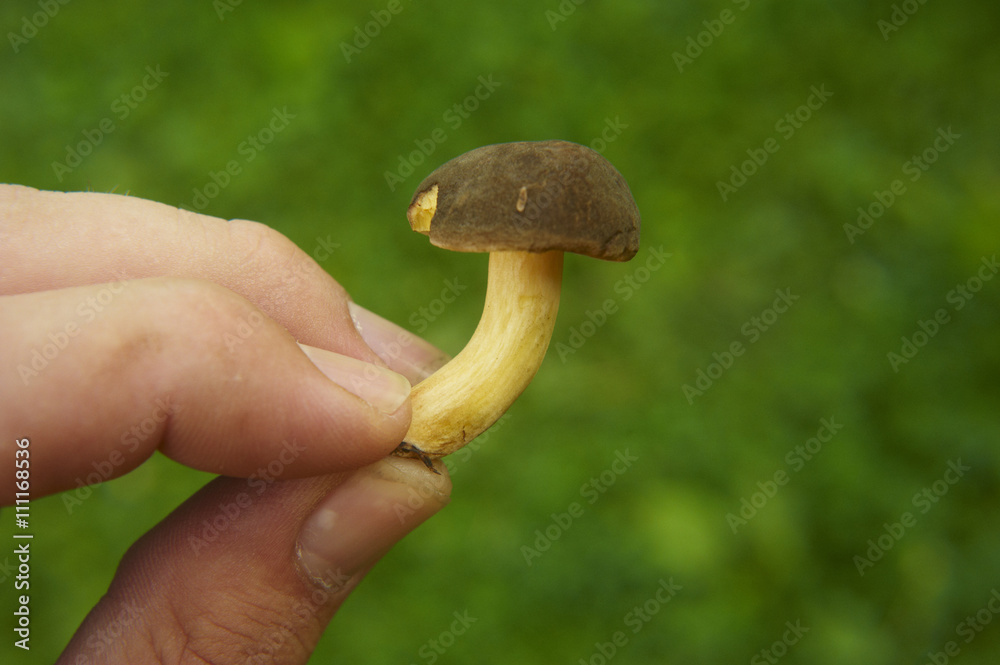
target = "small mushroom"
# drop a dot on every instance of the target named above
(525, 203)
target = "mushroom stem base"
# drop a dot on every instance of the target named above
(466, 396)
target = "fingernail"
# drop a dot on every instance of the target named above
(414, 357)
(363, 518)
(382, 388)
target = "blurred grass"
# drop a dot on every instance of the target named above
(324, 176)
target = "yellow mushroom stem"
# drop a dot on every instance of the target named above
(462, 399)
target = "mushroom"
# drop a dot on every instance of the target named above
(525, 203)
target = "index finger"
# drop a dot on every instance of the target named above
(53, 240)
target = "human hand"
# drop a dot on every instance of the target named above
(129, 326)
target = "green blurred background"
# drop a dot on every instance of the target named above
(612, 75)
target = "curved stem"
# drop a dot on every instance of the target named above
(462, 399)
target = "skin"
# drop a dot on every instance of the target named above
(182, 283)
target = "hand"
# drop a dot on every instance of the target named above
(129, 326)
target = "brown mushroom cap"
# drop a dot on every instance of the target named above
(532, 196)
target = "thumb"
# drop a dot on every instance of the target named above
(188, 368)
(233, 576)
